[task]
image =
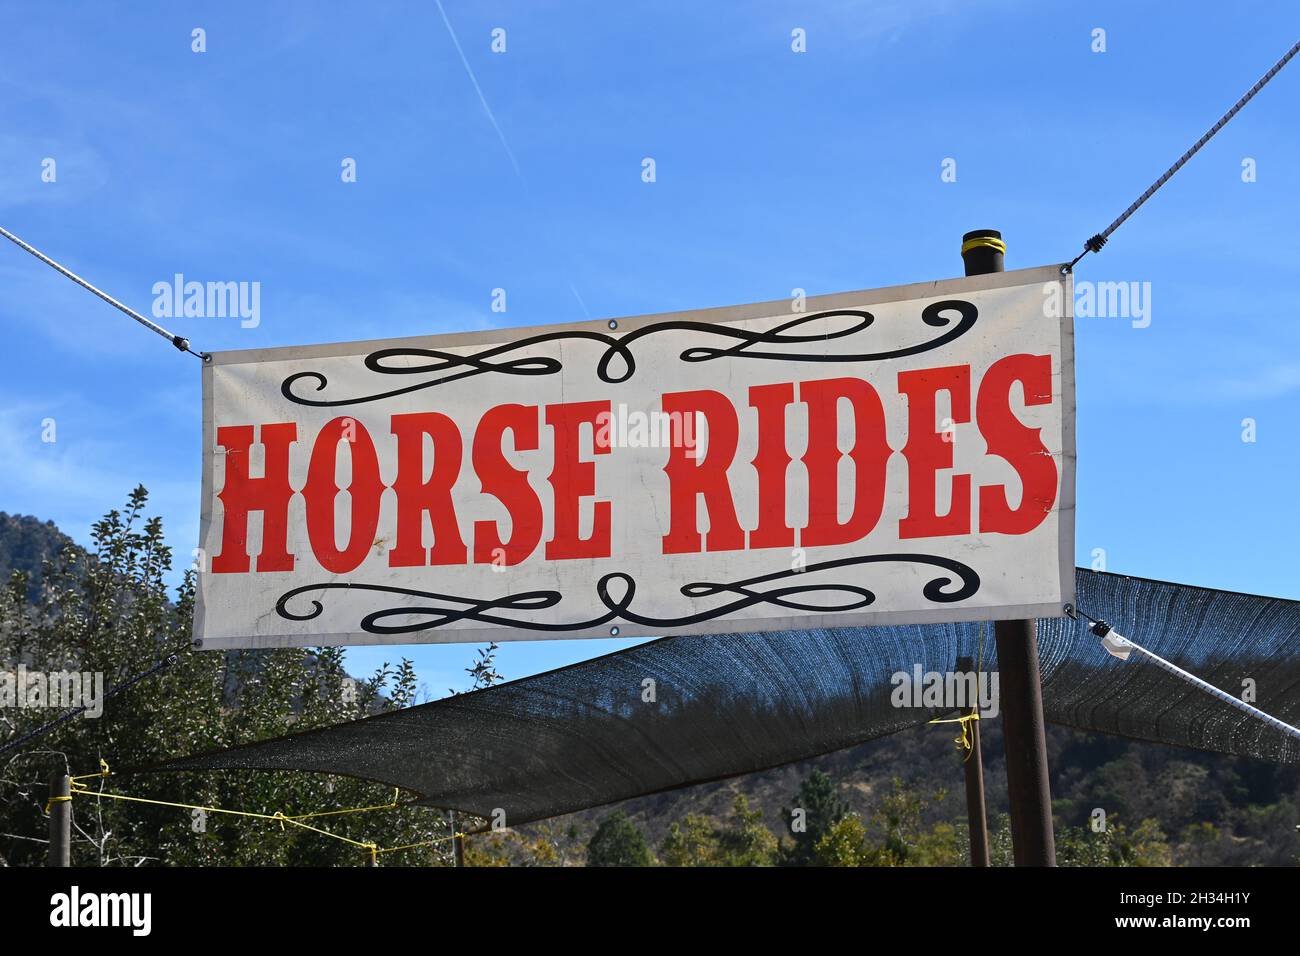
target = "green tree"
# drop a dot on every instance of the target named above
(108, 611)
(898, 821)
(894, 835)
(845, 843)
(746, 841)
(1083, 846)
(816, 809)
(484, 671)
(742, 841)
(692, 841)
(618, 842)
(944, 844)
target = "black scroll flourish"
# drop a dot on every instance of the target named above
(448, 367)
(617, 592)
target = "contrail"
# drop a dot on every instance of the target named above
(574, 289)
(496, 126)
(477, 89)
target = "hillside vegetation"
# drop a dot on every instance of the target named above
(895, 801)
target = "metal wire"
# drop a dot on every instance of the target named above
(181, 343)
(1124, 645)
(67, 715)
(1096, 242)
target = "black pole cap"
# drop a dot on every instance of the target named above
(982, 251)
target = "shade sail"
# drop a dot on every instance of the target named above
(686, 710)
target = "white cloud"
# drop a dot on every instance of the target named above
(1265, 383)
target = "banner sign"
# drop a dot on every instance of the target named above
(901, 455)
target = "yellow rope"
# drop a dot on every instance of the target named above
(276, 817)
(75, 785)
(334, 813)
(81, 789)
(103, 772)
(965, 741)
(412, 846)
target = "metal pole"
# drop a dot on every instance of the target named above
(1025, 737)
(457, 844)
(60, 820)
(1120, 646)
(976, 816)
(1023, 727)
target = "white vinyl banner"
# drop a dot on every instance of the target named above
(901, 455)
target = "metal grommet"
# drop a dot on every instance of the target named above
(613, 323)
(613, 631)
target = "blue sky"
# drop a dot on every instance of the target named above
(775, 170)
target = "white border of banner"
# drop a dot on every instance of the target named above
(627, 629)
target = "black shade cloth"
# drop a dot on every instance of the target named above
(730, 704)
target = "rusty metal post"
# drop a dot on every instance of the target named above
(973, 766)
(1023, 726)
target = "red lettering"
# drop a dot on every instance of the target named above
(321, 492)
(772, 462)
(870, 454)
(699, 482)
(507, 484)
(689, 477)
(927, 452)
(417, 497)
(269, 494)
(1021, 446)
(572, 480)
